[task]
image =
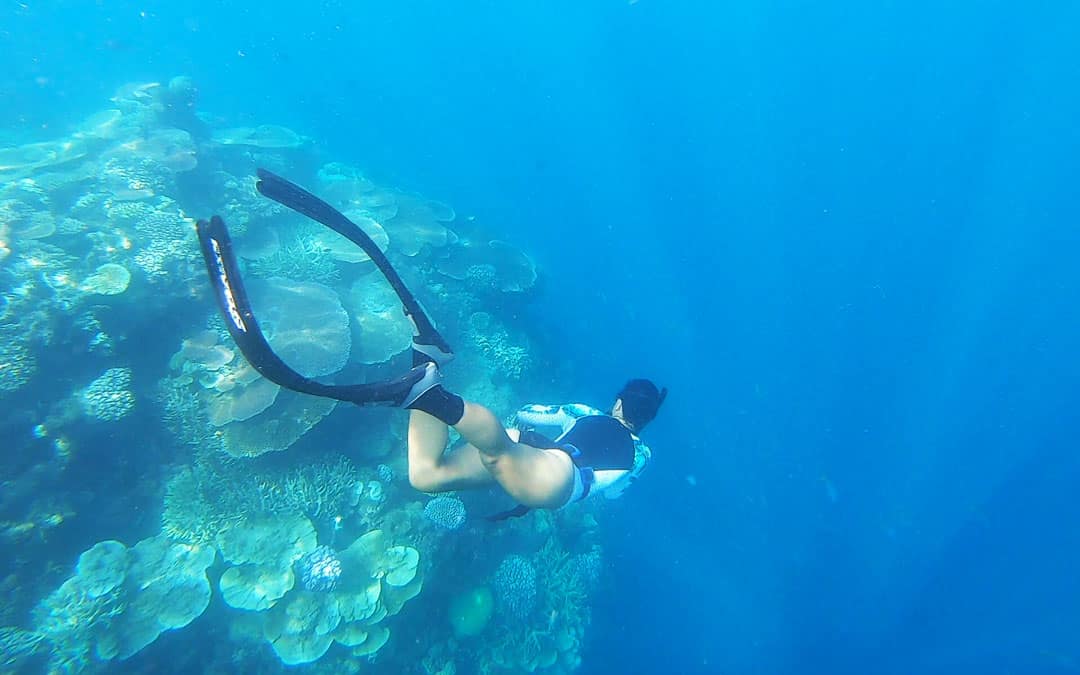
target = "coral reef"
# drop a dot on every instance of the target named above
(383, 330)
(370, 581)
(320, 550)
(418, 224)
(120, 600)
(515, 586)
(218, 492)
(108, 398)
(446, 512)
(320, 569)
(17, 363)
(471, 611)
(508, 358)
(302, 259)
(16, 645)
(212, 386)
(489, 266)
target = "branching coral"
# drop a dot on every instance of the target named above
(219, 492)
(72, 621)
(494, 342)
(194, 511)
(552, 635)
(318, 490)
(303, 259)
(183, 414)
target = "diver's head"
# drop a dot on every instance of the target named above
(637, 403)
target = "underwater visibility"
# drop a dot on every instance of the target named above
(488, 338)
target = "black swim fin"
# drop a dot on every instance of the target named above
(427, 340)
(232, 300)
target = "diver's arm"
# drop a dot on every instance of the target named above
(552, 417)
(550, 420)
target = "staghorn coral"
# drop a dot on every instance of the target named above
(183, 414)
(218, 492)
(196, 509)
(319, 490)
(302, 259)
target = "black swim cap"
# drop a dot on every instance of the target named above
(640, 401)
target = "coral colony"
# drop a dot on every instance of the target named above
(310, 548)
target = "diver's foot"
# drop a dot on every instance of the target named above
(403, 391)
(421, 389)
(424, 353)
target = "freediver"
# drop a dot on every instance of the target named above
(589, 452)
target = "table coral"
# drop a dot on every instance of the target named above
(120, 600)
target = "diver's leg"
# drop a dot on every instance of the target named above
(534, 477)
(431, 469)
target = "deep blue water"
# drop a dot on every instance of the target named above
(844, 235)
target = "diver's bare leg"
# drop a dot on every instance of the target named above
(431, 469)
(534, 477)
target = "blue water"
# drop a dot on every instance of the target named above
(843, 234)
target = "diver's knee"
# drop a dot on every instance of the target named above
(424, 479)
